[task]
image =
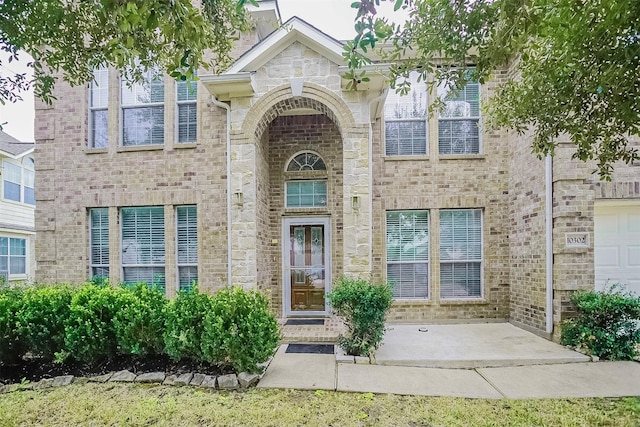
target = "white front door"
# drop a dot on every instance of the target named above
(306, 265)
(617, 246)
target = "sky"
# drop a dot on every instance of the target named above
(334, 17)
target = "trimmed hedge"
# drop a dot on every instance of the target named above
(363, 307)
(607, 325)
(90, 323)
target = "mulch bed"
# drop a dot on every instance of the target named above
(34, 370)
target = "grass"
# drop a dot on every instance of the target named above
(139, 405)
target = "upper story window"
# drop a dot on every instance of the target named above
(98, 109)
(405, 120)
(458, 131)
(187, 94)
(18, 181)
(306, 193)
(143, 110)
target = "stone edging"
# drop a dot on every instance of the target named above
(241, 381)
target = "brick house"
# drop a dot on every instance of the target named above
(273, 176)
(17, 207)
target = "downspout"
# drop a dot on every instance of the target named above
(549, 239)
(229, 237)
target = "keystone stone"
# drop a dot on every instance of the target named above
(151, 377)
(247, 380)
(184, 379)
(169, 380)
(197, 379)
(123, 377)
(101, 378)
(228, 382)
(209, 381)
(62, 380)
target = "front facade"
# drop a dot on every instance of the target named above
(17, 207)
(274, 176)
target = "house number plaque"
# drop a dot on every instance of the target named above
(576, 240)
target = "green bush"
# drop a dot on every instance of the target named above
(89, 331)
(607, 324)
(12, 346)
(240, 330)
(363, 307)
(185, 324)
(139, 323)
(41, 318)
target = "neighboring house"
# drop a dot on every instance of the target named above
(17, 206)
(273, 176)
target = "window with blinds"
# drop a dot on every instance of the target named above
(143, 245)
(187, 246)
(143, 110)
(405, 120)
(408, 253)
(461, 254)
(187, 107)
(19, 180)
(98, 106)
(458, 131)
(99, 236)
(13, 256)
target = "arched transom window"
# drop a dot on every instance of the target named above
(307, 161)
(307, 190)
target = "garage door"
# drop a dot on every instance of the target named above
(617, 246)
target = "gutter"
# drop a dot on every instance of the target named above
(229, 219)
(549, 240)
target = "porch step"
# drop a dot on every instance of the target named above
(327, 332)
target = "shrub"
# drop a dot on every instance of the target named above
(607, 324)
(89, 331)
(239, 330)
(12, 347)
(139, 322)
(185, 324)
(363, 307)
(41, 318)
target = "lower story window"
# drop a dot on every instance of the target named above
(143, 248)
(307, 194)
(460, 253)
(13, 256)
(408, 253)
(187, 246)
(99, 236)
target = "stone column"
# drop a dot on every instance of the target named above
(357, 206)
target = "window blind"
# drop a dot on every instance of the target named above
(187, 246)
(99, 236)
(143, 247)
(406, 120)
(460, 253)
(407, 235)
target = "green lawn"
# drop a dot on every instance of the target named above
(136, 405)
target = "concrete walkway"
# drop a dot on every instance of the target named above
(549, 370)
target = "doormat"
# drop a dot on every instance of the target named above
(310, 348)
(304, 322)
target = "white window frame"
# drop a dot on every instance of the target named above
(151, 75)
(422, 91)
(179, 264)
(426, 261)
(9, 255)
(126, 246)
(104, 224)
(477, 119)
(313, 206)
(187, 102)
(464, 261)
(94, 86)
(23, 168)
